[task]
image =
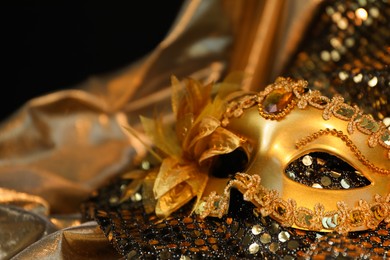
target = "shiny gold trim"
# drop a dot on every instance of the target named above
(304, 141)
(302, 98)
(269, 203)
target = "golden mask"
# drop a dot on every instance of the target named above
(266, 145)
(288, 122)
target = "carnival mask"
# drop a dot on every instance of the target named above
(252, 175)
(278, 144)
(285, 125)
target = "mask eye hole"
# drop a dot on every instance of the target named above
(227, 165)
(326, 171)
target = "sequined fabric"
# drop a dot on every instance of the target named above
(346, 50)
(241, 234)
(238, 235)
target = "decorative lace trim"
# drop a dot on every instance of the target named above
(268, 203)
(377, 131)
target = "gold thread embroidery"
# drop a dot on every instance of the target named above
(269, 203)
(377, 131)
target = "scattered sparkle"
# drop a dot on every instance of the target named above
(283, 236)
(358, 78)
(336, 16)
(256, 229)
(309, 172)
(136, 197)
(335, 55)
(254, 248)
(343, 75)
(329, 10)
(317, 186)
(335, 43)
(274, 228)
(368, 21)
(326, 181)
(293, 244)
(335, 174)
(359, 173)
(325, 56)
(342, 23)
(201, 207)
(386, 121)
(114, 200)
(307, 160)
(344, 183)
(374, 12)
(123, 187)
(273, 247)
(265, 238)
(350, 42)
(291, 175)
(372, 82)
(321, 161)
(329, 222)
(145, 165)
(361, 13)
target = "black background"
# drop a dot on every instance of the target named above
(48, 46)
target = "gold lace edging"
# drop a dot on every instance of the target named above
(336, 106)
(268, 203)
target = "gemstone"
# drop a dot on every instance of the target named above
(356, 217)
(347, 112)
(276, 101)
(386, 138)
